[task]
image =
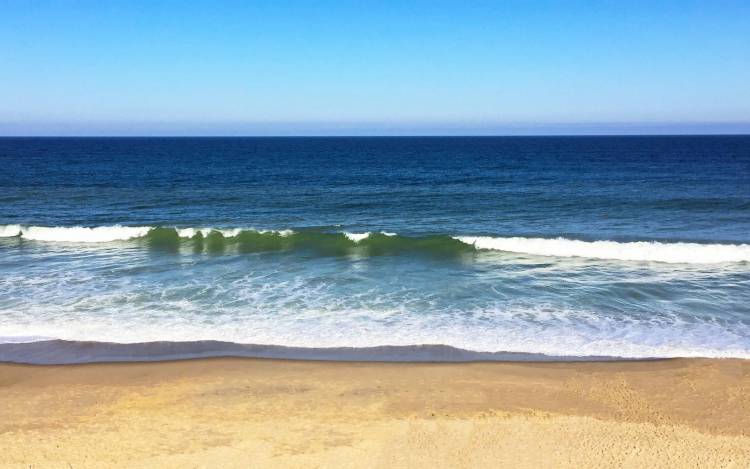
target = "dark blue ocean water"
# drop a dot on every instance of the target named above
(614, 246)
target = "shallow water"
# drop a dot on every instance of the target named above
(595, 246)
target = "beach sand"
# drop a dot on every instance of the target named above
(275, 413)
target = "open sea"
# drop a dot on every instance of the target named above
(374, 248)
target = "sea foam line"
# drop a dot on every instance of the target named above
(74, 234)
(106, 234)
(645, 251)
(653, 251)
(357, 237)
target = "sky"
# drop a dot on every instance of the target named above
(374, 68)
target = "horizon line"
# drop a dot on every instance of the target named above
(520, 135)
(363, 128)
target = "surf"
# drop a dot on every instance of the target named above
(648, 251)
(250, 240)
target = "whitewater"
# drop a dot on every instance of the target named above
(375, 248)
(647, 251)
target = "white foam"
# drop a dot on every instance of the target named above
(356, 237)
(103, 234)
(294, 309)
(226, 232)
(578, 336)
(189, 232)
(76, 234)
(8, 231)
(229, 232)
(687, 253)
(653, 251)
(283, 233)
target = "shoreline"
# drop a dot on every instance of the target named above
(67, 352)
(235, 412)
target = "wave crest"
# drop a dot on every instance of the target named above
(74, 234)
(383, 243)
(651, 251)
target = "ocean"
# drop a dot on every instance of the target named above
(465, 248)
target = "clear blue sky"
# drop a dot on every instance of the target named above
(340, 67)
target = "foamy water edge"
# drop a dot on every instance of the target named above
(640, 251)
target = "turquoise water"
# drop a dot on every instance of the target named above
(565, 247)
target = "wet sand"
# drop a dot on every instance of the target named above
(278, 413)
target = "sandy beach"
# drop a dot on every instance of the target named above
(276, 413)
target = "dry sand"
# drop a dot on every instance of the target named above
(272, 413)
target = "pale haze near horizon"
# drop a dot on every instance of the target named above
(352, 68)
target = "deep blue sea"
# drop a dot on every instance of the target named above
(551, 246)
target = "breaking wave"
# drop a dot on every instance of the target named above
(247, 240)
(653, 251)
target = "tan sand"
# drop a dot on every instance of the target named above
(267, 413)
